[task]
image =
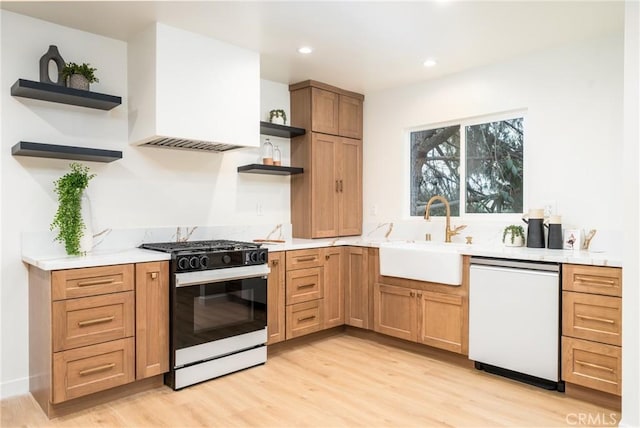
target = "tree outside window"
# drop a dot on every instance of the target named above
(493, 165)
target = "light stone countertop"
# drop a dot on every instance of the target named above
(136, 255)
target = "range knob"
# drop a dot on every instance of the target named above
(194, 262)
(262, 256)
(204, 262)
(183, 263)
(253, 256)
(226, 259)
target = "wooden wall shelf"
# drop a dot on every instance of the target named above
(54, 151)
(268, 128)
(61, 94)
(257, 168)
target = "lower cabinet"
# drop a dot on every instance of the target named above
(434, 318)
(334, 278)
(92, 329)
(276, 298)
(304, 318)
(357, 286)
(304, 291)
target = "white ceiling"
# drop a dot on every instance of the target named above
(359, 45)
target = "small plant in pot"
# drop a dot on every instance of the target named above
(79, 76)
(68, 219)
(278, 117)
(513, 236)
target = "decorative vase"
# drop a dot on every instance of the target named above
(518, 241)
(78, 81)
(86, 240)
(51, 55)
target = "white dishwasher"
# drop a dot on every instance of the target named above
(514, 320)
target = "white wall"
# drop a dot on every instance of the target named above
(147, 188)
(573, 137)
(631, 273)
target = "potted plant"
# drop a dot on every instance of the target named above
(278, 117)
(513, 236)
(79, 76)
(68, 219)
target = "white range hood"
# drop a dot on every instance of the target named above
(189, 91)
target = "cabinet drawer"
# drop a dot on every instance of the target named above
(592, 317)
(593, 365)
(304, 318)
(592, 279)
(304, 285)
(91, 320)
(72, 283)
(90, 369)
(302, 259)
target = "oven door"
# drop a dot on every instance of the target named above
(213, 305)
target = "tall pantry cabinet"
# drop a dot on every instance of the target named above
(326, 201)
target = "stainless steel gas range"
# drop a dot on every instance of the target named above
(218, 308)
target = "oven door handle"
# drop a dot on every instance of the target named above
(219, 275)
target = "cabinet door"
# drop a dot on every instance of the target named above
(304, 285)
(442, 321)
(590, 364)
(350, 117)
(333, 301)
(304, 318)
(324, 111)
(592, 279)
(356, 299)
(325, 186)
(395, 311)
(275, 298)
(350, 187)
(152, 319)
(592, 317)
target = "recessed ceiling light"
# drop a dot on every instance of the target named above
(430, 62)
(305, 50)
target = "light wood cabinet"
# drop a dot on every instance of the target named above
(304, 318)
(304, 292)
(152, 319)
(592, 327)
(276, 298)
(334, 277)
(395, 312)
(442, 320)
(94, 329)
(356, 299)
(326, 201)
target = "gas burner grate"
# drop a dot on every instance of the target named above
(213, 245)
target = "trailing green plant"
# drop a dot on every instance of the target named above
(68, 218)
(84, 69)
(515, 230)
(277, 113)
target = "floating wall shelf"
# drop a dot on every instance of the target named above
(62, 94)
(268, 128)
(40, 150)
(258, 168)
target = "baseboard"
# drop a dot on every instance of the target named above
(14, 387)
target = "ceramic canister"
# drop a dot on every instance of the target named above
(554, 238)
(535, 229)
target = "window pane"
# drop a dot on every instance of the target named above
(494, 167)
(435, 158)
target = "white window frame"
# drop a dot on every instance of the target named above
(463, 123)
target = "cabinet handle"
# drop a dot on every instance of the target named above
(95, 282)
(275, 262)
(154, 275)
(97, 369)
(337, 186)
(412, 294)
(95, 321)
(420, 295)
(595, 366)
(327, 256)
(341, 191)
(586, 280)
(306, 318)
(586, 317)
(306, 259)
(306, 285)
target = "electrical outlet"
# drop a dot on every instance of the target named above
(259, 208)
(550, 208)
(374, 210)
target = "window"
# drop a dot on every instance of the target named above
(492, 167)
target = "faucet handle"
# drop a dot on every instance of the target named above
(457, 229)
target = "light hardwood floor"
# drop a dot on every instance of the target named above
(334, 381)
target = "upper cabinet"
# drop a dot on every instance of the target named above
(190, 91)
(326, 109)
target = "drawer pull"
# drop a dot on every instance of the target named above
(97, 369)
(306, 318)
(95, 282)
(306, 285)
(95, 321)
(586, 317)
(582, 280)
(306, 259)
(154, 275)
(275, 262)
(595, 366)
